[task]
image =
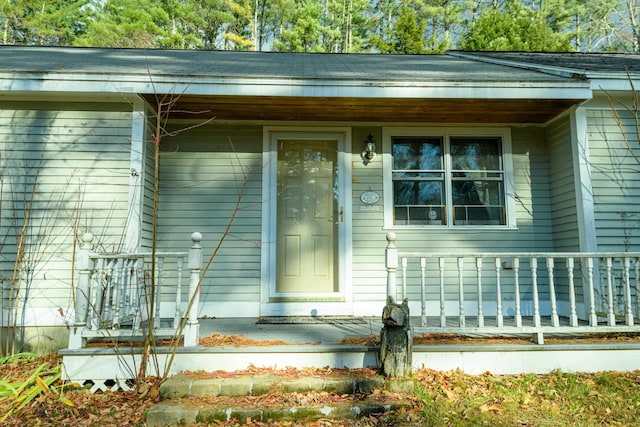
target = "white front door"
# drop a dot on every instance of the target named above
(306, 222)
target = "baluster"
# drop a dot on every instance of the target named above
(141, 302)
(177, 316)
(636, 265)
(611, 315)
(404, 262)
(98, 295)
(499, 316)
(555, 320)
(105, 304)
(443, 315)
(423, 291)
(536, 297)
(538, 337)
(160, 270)
(130, 294)
(461, 291)
(479, 281)
(516, 279)
(593, 318)
(119, 290)
(573, 317)
(627, 293)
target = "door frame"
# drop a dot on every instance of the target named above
(341, 302)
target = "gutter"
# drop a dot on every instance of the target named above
(212, 86)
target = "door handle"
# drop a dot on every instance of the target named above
(341, 214)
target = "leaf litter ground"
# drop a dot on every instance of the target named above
(440, 398)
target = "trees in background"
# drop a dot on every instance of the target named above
(389, 26)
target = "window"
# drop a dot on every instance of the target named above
(447, 180)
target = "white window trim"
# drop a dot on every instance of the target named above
(447, 132)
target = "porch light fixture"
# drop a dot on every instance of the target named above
(369, 151)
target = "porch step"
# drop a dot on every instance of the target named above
(264, 397)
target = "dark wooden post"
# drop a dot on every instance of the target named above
(396, 337)
(396, 340)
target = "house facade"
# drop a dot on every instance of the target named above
(295, 167)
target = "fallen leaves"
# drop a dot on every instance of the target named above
(452, 339)
(441, 398)
(288, 371)
(220, 340)
(32, 393)
(17, 392)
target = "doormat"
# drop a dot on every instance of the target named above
(306, 320)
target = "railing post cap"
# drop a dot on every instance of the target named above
(196, 237)
(87, 237)
(391, 237)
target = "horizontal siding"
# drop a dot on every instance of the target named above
(615, 168)
(531, 175)
(202, 173)
(65, 169)
(202, 169)
(563, 197)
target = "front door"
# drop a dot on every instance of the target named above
(308, 217)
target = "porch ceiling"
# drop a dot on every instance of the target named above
(478, 111)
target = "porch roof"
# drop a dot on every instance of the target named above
(299, 86)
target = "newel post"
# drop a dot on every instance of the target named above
(192, 328)
(82, 297)
(391, 263)
(396, 336)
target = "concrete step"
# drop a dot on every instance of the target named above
(187, 400)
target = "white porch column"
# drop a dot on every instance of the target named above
(584, 193)
(582, 180)
(136, 176)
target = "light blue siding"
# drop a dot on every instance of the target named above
(563, 197)
(211, 179)
(615, 167)
(64, 171)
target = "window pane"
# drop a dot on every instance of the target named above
(421, 193)
(478, 202)
(418, 193)
(468, 192)
(417, 153)
(475, 153)
(478, 215)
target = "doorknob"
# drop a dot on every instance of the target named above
(341, 214)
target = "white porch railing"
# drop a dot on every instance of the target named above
(518, 293)
(113, 294)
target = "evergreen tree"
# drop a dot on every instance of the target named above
(407, 33)
(238, 32)
(302, 32)
(127, 23)
(344, 25)
(402, 35)
(444, 19)
(41, 22)
(518, 28)
(195, 24)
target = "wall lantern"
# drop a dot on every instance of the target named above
(369, 151)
